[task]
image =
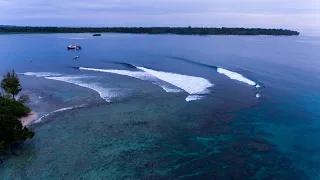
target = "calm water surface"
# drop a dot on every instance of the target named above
(167, 106)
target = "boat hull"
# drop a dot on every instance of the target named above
(74, 47)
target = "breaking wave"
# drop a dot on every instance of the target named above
(104, 93)
(193, 98)
(190, 84)
(59, 110)
(169, 89)
(230, 74)
(136, 74)
(40, 74)
(237, 76)
(168, 81)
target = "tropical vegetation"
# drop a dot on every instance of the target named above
(12, 131)
(150, 30)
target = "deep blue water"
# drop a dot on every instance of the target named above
(132, 118)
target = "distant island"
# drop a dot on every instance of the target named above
(150, 30)
(96, 34)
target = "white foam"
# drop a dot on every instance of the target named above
(169, 89)
(191, 84)
(193, 98)
(63, 109)
(138, 75)
(106, 94)
(135, 74)
(237, 76)
(40, 74)
(59, 110)
(258, 96)
(40, 119)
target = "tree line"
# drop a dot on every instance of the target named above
(150, 30)
(12, 131)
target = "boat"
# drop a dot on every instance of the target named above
(76, 57)
(96, 35)
(74, 47)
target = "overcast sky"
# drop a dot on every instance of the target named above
(292, 14)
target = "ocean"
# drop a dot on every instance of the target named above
(167, 106)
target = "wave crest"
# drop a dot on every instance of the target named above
(59, 110)
(193, 98)
(136, 74)
(40, 74)
(104, 93)
(237, 76)
(190, 84)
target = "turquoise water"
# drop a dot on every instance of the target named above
(167, 106)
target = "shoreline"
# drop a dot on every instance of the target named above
(27, 120)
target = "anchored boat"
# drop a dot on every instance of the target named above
(74, 47)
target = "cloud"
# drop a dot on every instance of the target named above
(303, 14)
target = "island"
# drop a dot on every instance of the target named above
(4, 29)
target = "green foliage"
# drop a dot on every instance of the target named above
(11, 84)
(23, 99)
(12, 132)
(13, 108)
(11, 129)
(150, 30)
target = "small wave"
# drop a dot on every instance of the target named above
(136, 74)
(190, 84)
(193, 62)
(40, 119)
(122, 63)
(40, 74)
(59, 110)
(106, 94)
(237, 76)
(193, 98)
